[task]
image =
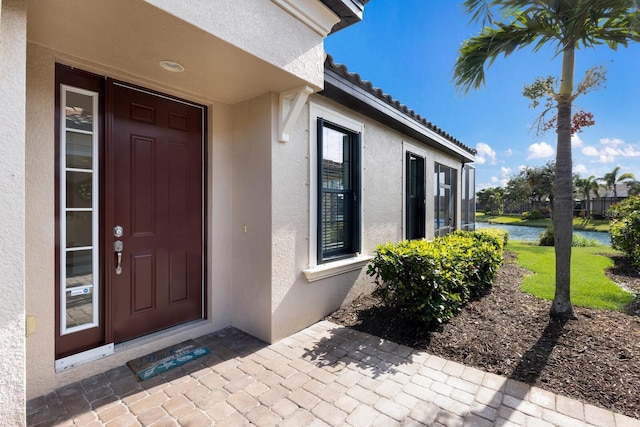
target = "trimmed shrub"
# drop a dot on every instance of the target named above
(497, 236)
(625, 228)
(430, 281)
(534, 214)
(583, 242)
(547, 237)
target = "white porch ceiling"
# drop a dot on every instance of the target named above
(132, 36)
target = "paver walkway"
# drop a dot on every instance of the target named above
(323, 375)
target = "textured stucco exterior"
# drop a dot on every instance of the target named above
(13, 39)
(268, 37)
(40, 231)
(296, 303)
(239, 136)
(240, 57)
(253, 131)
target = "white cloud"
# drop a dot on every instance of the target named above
(606, 158)
(485, 153)
(580, 169)
(630, 151)
(590, 151)
(612, 141)
(576, 141)
(505, 171)
(508, 153)
(522, 167)
(540, 150)
(612, 148)
(494, 179)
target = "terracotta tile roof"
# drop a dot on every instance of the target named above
(367, 86)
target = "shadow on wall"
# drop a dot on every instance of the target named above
(306, 303)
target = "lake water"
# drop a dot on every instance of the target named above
(523, 232)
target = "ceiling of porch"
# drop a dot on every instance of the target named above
(132, 37)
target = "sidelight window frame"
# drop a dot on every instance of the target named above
(67, 248)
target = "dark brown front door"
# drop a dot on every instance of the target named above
(154, 191)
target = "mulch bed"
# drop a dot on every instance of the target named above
(595, 359)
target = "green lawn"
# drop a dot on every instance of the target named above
(590, 287)
(578, 223)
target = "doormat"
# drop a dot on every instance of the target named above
(160, 361)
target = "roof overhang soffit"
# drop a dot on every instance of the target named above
(312, 13)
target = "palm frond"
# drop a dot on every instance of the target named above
(566, 24)
(484, 49)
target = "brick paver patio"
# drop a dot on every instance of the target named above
(323, 375)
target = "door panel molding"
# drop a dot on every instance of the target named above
(157, 195)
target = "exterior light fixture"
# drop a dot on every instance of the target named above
(172, 66)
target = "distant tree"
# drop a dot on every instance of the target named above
(518, 189)
(541, 180)
(483, 199)
(633, 187)
(492, 200)
(611, 180)
(567, 25)
(497, 199)
(585, 187)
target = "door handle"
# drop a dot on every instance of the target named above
(117, 248)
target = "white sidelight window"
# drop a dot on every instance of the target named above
(79, 257)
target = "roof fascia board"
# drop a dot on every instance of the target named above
(395, 118)
(312, 13)
(355, 7)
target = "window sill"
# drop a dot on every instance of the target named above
(335, 268)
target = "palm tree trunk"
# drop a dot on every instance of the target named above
(563, 192)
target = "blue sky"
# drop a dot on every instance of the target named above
(408, 49)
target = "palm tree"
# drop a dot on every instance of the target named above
(585, 187)
(611, 179)
(567, 25)
(497, 199)
(633, 187)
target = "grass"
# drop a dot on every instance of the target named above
(590, 287)
(578, 223)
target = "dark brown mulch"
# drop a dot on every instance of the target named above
(595, 359)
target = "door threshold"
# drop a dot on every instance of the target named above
(84, 357)
(161, 334)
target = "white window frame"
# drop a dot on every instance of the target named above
(95, 260)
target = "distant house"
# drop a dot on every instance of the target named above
(170, 169)
(602, 200)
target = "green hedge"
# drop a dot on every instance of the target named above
(430, 281)
(625, 228)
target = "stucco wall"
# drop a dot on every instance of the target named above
(265, 30)
(40, 225)
(12, 211)
(253, 131)
(296, 302)
(219, 215)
